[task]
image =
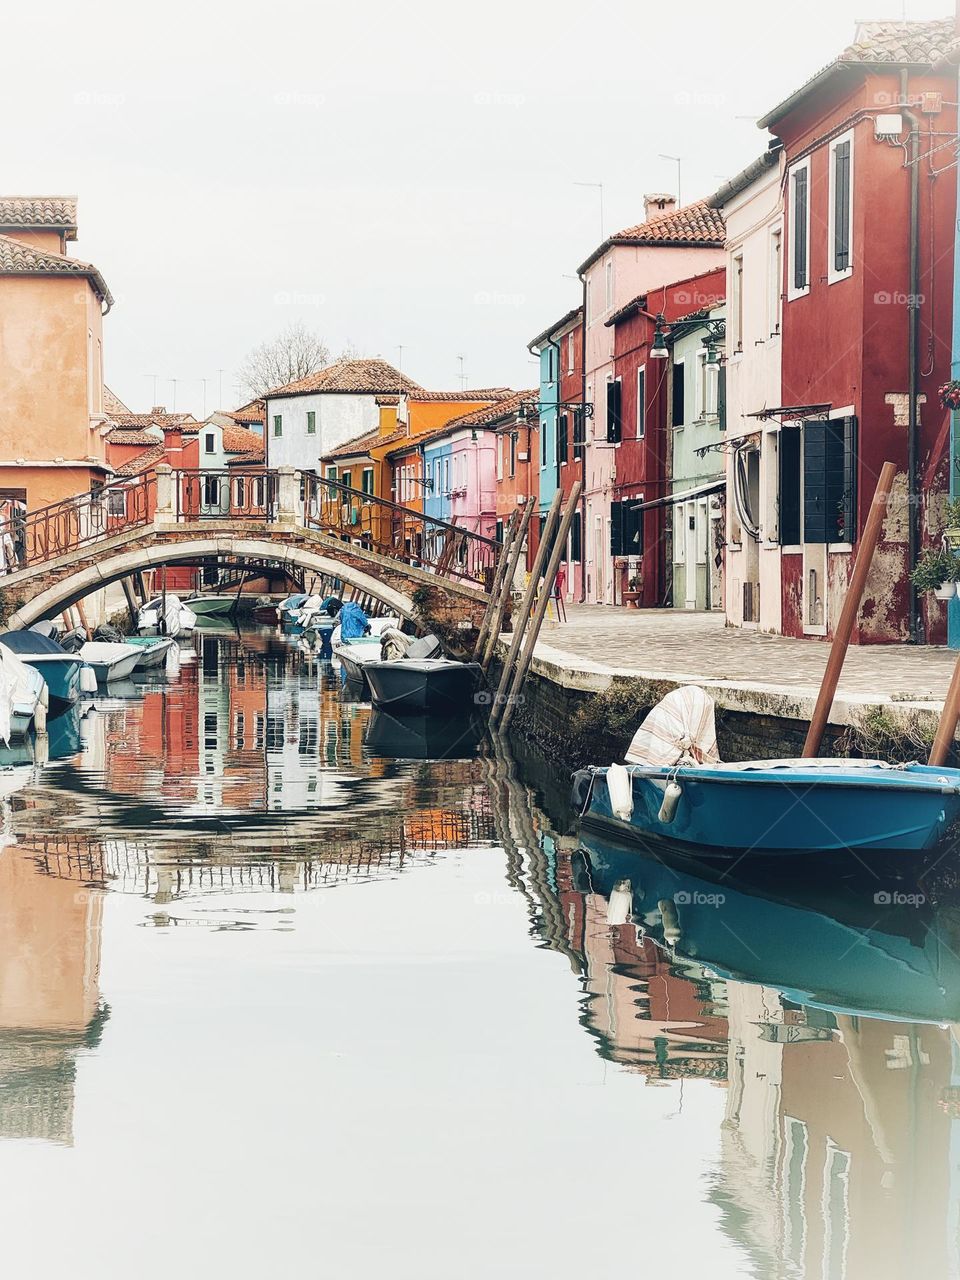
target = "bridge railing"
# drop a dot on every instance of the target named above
(398, 532)
(64, 526)
(243, 493)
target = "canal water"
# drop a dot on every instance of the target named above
(281, 997)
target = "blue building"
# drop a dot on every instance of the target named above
(436, 474)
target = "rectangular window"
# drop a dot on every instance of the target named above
(499, 457)
(311, 422)
(209, 443)
(570, 351)
(498, 533)
(579, 442)
(722, 397)
(841, 206)
(116, 502)
(800, 229)
(331, 475)
(366, 480)
(776, 281)
(543, 444)
(614, 419)
(641, 402)
(346, 479)
(240, 492)
(829, 480)
(211, 491)
(277, 424)
(736, 308)
(513, 453)
(576, 539)
(626, 528)
(562, 437)
(446, 475)
(677, 395)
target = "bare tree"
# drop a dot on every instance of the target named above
(293, 354)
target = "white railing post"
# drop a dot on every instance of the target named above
(288, 496)
(166, 511)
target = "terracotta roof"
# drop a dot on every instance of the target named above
(358, 448)
(152, 419)
(880, 43)
(357, 376)
(481, 393)
(240, 440)
(249, 458)
(27, 213)
(112, 404)
(488, 416)
(255, 411)
(145, 461)
(386, 401)
(695, 226)
(132, 435)
(562, 323)
(19, 259)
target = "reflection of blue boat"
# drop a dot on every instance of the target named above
(781, 806)
(902, 960)
(423, 737)
(60, 669)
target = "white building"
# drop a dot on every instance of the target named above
(753, 210)
(312, 417)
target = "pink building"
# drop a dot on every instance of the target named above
(473, 479)
(643, 261)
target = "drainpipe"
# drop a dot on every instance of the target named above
(913, 347)
(583, 430)
(953, 614)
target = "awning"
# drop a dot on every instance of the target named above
(714, 486)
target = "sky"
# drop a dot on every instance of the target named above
(401, 178)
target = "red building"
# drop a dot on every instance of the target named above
(869, 227)
(570, 449)
(639, 540)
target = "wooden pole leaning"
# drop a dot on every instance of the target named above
(506, 591)
(505, 547)
(559, 547)
(949, 717)
(848, 614)
(529, 596)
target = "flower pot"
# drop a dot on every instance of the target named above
(946, 592)
(630, 599)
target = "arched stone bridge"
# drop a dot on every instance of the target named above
(289, 518)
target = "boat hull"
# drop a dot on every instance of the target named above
(114, 669)
(62, 675)
(435, 687)
(152, 650)
(724, 811)
(210, 606)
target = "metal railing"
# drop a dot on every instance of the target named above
(398, 532)
(64, 526)
(253, 493)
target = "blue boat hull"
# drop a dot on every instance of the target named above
(725, 812)
(63, 682)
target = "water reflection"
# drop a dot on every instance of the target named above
(798, 1033)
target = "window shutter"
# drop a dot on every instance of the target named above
(575, 539)
(677, 409)
(819, 522)
(722, 397)
(788, 457)
(578, 434)
(614, 430)
(800, 229)
(841, 206)
(562, 438)
(632, 529)
(840, 469)
(616, 528)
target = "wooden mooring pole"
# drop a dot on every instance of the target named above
(546, 594)
(546, 538)
(506, 587)
(848, 614)
(508, 536)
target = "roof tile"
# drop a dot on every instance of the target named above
(19, 259)
(359, 376)
(32, 212)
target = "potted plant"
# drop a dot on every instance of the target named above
(633, 592)
(937, 571)
(952, 516)
(949, 393)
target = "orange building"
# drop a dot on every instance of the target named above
(51, 376)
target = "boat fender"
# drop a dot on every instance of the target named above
(88, 680)
(620, 790)
(671, 921)
(671, 798)
(40, 711)
(580, 789)
(620, 903)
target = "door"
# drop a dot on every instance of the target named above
(691, 554)
(599, 560)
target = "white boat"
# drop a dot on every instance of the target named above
(152, 650)
(166, 615)
(109, 661)
(24, 697)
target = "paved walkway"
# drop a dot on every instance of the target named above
(744, 669)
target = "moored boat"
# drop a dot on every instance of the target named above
(675, 787)
(423, 737)
(60, 670)
(431, 685)
(165, 615)
(23, 698)
(153, 650)
(110, 661)
(354, 656)
(205, 606)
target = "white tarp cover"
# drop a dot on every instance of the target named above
(17, 686)
(679, 730)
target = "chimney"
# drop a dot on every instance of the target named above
(173, 445)
(158, 409)
(658, 203)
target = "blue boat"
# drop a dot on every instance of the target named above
(60, 669)
(778, 806)
(853, 945)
